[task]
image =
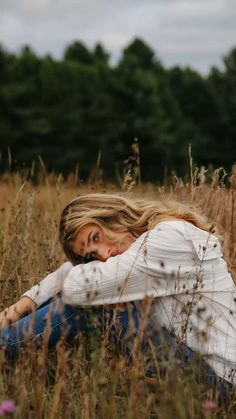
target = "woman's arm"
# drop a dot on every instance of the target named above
(122, 278)
(35, 296)
(50, 286)
(164, 261)
(16, 311)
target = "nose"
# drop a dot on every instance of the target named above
(104, 252)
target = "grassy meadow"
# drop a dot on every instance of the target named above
(92, 379)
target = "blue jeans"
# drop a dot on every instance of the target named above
(55, 319)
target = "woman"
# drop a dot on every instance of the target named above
(138, 249)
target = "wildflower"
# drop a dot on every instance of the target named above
(8, 406)
(209, 405)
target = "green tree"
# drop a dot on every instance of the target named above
(197, 103)
(138, 96)
(139, 54)
(79, 53)
(223, 85)
(69, 110)
(100, 55)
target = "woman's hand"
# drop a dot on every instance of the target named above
(16, 311)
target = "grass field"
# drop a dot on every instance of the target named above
(93, 379)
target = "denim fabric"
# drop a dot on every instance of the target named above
(55, 319)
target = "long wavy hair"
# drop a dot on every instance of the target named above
(117, 213)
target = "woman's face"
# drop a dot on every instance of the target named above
(92, 243)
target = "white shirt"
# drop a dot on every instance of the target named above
(178, 264)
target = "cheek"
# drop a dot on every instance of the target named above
(79, 247)
(128, 241)
(123, 243)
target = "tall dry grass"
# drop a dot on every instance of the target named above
(92, 378)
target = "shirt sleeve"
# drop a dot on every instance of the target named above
(135, 274)
(160, 263)
(49, 286)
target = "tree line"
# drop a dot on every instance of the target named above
(71, 110)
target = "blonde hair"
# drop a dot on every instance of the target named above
(121, 214)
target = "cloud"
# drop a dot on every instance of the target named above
(183, 32)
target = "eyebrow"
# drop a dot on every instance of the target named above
(89, 238)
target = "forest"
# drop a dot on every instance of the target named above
(76, 125)
(70, 112)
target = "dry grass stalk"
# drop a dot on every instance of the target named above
(92, 379)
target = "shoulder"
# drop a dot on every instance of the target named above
(178, 229)
(167, 234)
(179, 232)
(175, 225)
(184, 228)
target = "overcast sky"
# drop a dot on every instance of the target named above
(183, 32)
